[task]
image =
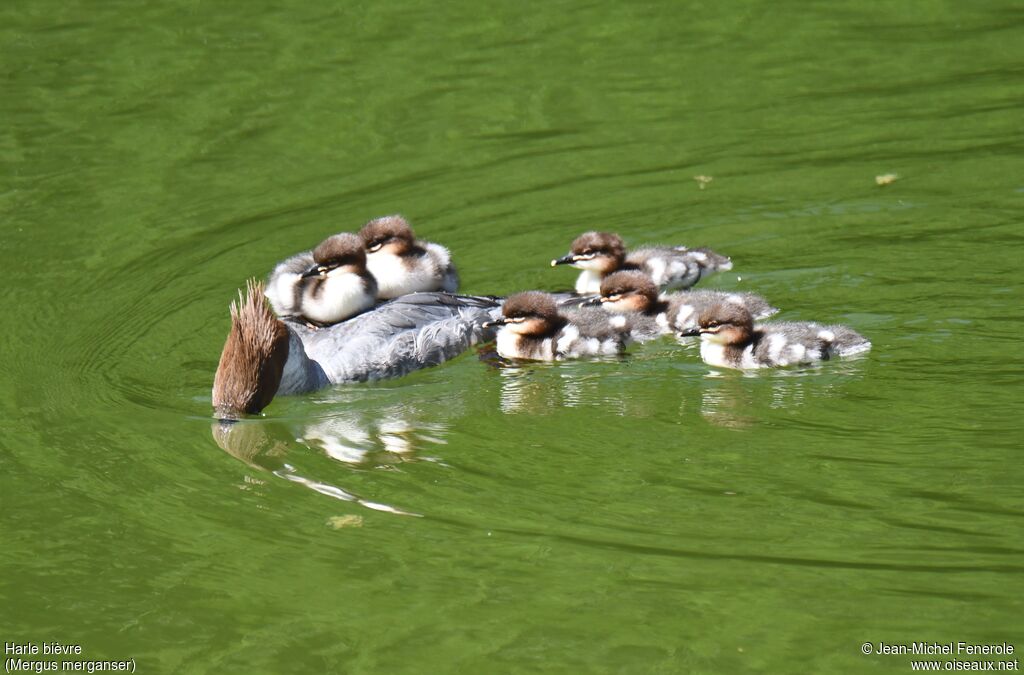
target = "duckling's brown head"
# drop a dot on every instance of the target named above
(530, 313)
(602, 252)
(628, 292)
(390, 234)
(726, 323)
(338, 251)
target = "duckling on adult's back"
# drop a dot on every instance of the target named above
(532, 327)
(403, 264)
(730, 339)
(264, 356)
(326, 285)
(599, 254)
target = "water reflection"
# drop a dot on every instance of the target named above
(374, 436)
(731, 398)
(256, 443)
(542, 389)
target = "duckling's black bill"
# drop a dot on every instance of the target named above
(567, 259)
(316, 270)
(497, 322)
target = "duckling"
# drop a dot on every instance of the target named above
(403, 264)
(729, 339)
(533, 328)
(599, 254)
(324, 286)
(635, 294)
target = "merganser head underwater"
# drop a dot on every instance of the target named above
(264, 356)
(533, 328)
(635, 292)
(599, 254)
(730, 339)
(325, 286)
(403, 264)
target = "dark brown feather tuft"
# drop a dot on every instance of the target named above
(253, 358)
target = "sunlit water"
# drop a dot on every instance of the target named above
(642, 514)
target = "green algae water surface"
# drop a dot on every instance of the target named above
(634, 515)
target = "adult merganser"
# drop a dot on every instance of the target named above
(634, 294)
(729, 339)
(533, 328)
(327, 285)
(264, 356)
(403, 264)
(599, 254)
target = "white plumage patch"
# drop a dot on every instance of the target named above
(656, 267)
(569, 335)
(776, 343)
(398, 276)
(826, 335)
(617, 321)
(797, 351)
(684, 317)
(714, 354)
(508, 344)
(589, 281)
(343, 295)
(281, 293)
(734, 299)
(747, 360)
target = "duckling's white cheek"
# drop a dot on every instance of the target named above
(713, 338)
(616, 306)
(594, 264)
(634, 304)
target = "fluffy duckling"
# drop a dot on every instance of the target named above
(403, 264)
(729, 339)
(599, 254)
(634, 293)
(532, 328)
(327, 285)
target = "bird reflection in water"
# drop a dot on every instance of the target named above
(379, 438)
(733, 398)
(540, 389)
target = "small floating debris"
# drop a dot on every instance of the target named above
(702, 181)
(350, 520)
(886, 179)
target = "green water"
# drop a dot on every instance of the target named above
(633, 516)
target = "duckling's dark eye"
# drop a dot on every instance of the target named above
(587, 252)
(713, 324)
